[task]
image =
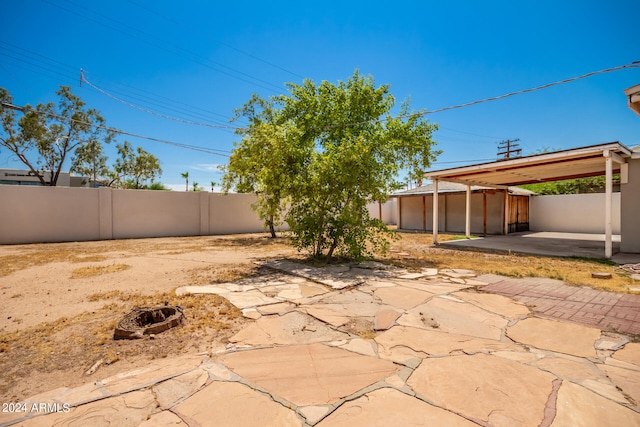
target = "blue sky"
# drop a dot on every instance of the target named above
(199, 60)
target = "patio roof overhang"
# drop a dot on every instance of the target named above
(556, 166)
(633, 98)
(595, 160)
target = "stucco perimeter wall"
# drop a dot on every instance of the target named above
(63, 214)
(232, 213)
(148, 213)
(630, 210)
(572, 213)
(45, 214)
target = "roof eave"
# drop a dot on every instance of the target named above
(615, 147)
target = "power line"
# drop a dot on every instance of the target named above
(42, 62)
(200, 33)
(161, 44)
(222, 153)
(468, 133)
(463, 161)
(163, 101)
(634, 64)
(84, 79)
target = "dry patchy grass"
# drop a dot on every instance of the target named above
(573, 271)
(97, 270)
(42, 256)
(221, 273)
(75, 344)
(26, 256)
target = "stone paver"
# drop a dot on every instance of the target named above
(305, 375)
(455, 317)
(234, 404)
(485, 388)
(370, 344)
(288, 329)
(629, 353)
(403, 343)
(577, 406)
(552, 335)
(395, 408)
(385, 319)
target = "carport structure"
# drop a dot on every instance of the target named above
(595, 160)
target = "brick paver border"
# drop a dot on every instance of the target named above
(607, 311)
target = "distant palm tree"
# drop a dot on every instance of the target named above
(195, 186)
(213, 184)
(185, 175)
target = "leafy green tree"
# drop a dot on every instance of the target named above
(49, 135)
(196, 187)
(133, 168)
(90, 161)
(158, 186)
(213, 184)
(262, 165)
(185, 175)
(321, 153)
(593, 184)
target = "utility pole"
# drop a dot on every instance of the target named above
(509, 150)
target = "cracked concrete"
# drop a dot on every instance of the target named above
(369, 344)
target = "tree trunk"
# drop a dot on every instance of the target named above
(331, 249)
(272, 229)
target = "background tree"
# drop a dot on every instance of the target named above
(251, 169)
(324, 152)
(213, 184)
(592, 184)
(47, 136)
(158, 186)
(185, 175)
(90, 161)
(196, 187)
(133, 168)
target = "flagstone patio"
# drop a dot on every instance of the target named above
(369, 344)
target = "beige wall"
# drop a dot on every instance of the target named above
(232, 213)
(58, 214)
(43, 214)
(389, 211)
(630, 210)
(33, 214)
(572, 213)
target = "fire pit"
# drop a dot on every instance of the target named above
(143, 321)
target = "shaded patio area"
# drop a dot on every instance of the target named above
(547, 244)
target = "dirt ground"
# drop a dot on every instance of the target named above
(61, 301)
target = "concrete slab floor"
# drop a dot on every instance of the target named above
(547, 244)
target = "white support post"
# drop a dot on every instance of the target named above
(467, 226)
(608, 246)
(506, 212)
(435, 211)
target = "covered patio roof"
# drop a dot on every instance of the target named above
(596, 160)
(567, 164)
(633, 98)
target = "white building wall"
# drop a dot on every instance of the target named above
(572, 213)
